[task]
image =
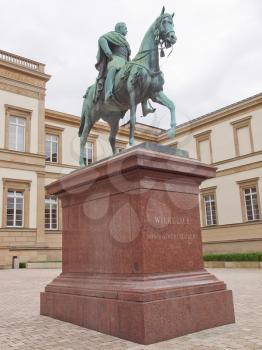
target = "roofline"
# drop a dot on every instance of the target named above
(20, 57)
(198, 122)
(147, 125)
(220, 113)
(23, 64)
(99, 126)
(61, 116)
(223, 109)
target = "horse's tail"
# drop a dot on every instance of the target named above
(82, 120)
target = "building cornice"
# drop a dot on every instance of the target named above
(246, 223)
(239, 169)
(62, 165)
(23, 65)
(66, 118)
(231, 160)
(69, 119)
(216, 116)
(21, 160)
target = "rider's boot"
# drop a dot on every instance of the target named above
(147, 109)
(109, 84)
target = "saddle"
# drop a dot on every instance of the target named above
(100, 83)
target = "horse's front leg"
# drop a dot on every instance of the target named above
(162, 99)
(132, 118)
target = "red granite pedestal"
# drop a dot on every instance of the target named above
(132, 252)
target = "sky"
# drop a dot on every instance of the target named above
(216, 60)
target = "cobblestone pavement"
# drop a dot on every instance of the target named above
(21, 326)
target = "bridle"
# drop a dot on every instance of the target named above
(159, 41)
(162, 41)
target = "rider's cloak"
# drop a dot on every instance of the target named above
(114, 38)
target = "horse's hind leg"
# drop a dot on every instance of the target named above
(132, 117)
(83, 138)
(114, 126)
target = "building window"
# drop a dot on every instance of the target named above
(51, 213)
(243, 138)
(250, 201)
(210, 209)
(209, 206)
(51, 148)
(16, 203)
(252, 210)
(53, 143)
(89, 153)
(204, 147)
(17, 134)
(15, 208)
(119, 149)
(90, 149)
(120, 146)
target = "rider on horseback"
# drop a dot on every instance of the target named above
(136, 82)
(113, 53)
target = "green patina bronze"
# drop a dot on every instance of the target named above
(122, 84)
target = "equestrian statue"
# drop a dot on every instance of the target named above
(122, 83)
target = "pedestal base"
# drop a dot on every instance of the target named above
(144, 309)
(132, 252)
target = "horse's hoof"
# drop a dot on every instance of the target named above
(171, 133)
(82, 164)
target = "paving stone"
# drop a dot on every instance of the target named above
(22, 328)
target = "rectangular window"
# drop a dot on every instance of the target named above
(51, 148)
(119, 149)
(204, 151)
(120, 145)
(203, 147)
(15, 208)
(250, 200)
(210, 209)
(243, 138)
(89, 151)
(16, 202)
(17, 128)
(16, 135)
(251, 203)
(51, 210)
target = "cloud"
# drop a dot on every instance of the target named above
(215, 61)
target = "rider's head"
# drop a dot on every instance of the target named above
(121, 28)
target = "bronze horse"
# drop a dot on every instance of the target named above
(138, 81)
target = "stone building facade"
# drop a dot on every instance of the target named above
(230, 139)
(39, 145)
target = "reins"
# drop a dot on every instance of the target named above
(147, 52)
(145, 67)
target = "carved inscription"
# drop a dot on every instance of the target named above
(172, 228)
(172, 220)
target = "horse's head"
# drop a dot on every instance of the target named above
(164, 29)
